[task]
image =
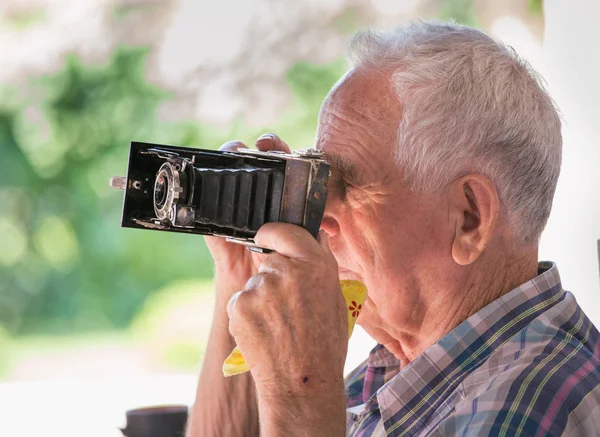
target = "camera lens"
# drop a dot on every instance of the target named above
(161, 187)
(168, 190)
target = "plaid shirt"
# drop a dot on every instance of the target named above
(527, 364)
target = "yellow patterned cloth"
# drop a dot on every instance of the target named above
(355, 293)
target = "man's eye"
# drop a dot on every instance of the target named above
(336, 184)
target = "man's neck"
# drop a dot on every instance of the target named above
(484, 284)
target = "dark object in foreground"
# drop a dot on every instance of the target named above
(164, 421)
(226, 194)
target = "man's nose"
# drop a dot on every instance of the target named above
(330, 226)
(330, 222)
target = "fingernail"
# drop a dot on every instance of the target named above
(266, 137)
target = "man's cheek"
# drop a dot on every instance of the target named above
(340, 254)
(336, 247)
(349, 256)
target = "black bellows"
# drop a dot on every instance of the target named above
(240, 198)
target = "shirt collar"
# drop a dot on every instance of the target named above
(415, 392)
(381, 357)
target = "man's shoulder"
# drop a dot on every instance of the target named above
(541, 381)
(543, 356)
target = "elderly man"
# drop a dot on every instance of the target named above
(445, 153)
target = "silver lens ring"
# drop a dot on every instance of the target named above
(167, 188)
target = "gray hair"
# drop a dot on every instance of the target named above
(470, 105)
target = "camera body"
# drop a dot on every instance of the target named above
(221, 193)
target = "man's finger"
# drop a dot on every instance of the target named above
(288, 240)
(323, 240)
(254, 282)
(271, 141)
(232, 146)
(231, 302)
(274, 264)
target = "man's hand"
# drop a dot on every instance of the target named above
(290, 323)
(226, 407)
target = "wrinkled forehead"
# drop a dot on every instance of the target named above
(369, 90)
(360, 116)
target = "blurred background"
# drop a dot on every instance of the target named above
(95, 319)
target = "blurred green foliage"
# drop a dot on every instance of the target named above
(536, 7)
(25, 18)
(171, 322)
(5, 345)
(461, 11)
(65, 263)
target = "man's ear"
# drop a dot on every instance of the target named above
(474, 210)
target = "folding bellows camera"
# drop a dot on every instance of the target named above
(222, 193)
